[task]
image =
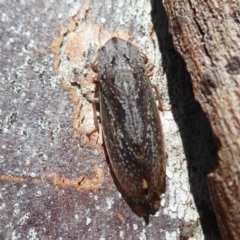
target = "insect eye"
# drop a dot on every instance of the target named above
(94, 66)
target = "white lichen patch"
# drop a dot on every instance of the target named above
(23, 220)
(88, 221)
(178, 202)
(32, 234)
(109, 203)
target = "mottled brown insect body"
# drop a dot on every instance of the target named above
(131, 124)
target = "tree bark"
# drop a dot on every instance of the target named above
(207, 35)
(55, 181)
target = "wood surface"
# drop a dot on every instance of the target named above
(207, 35)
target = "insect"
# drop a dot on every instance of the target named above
(131, 124)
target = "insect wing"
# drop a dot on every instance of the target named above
(131, 125)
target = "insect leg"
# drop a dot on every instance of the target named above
(160, 105)
(94, 102)
(149, 70)
(149, 73)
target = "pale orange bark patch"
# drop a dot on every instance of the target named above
(81, 183)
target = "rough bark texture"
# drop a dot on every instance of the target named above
(207, 35)
(55, 183)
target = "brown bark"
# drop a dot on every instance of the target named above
(55, 182)
(206, 34)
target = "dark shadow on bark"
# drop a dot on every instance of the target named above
(198, 141)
